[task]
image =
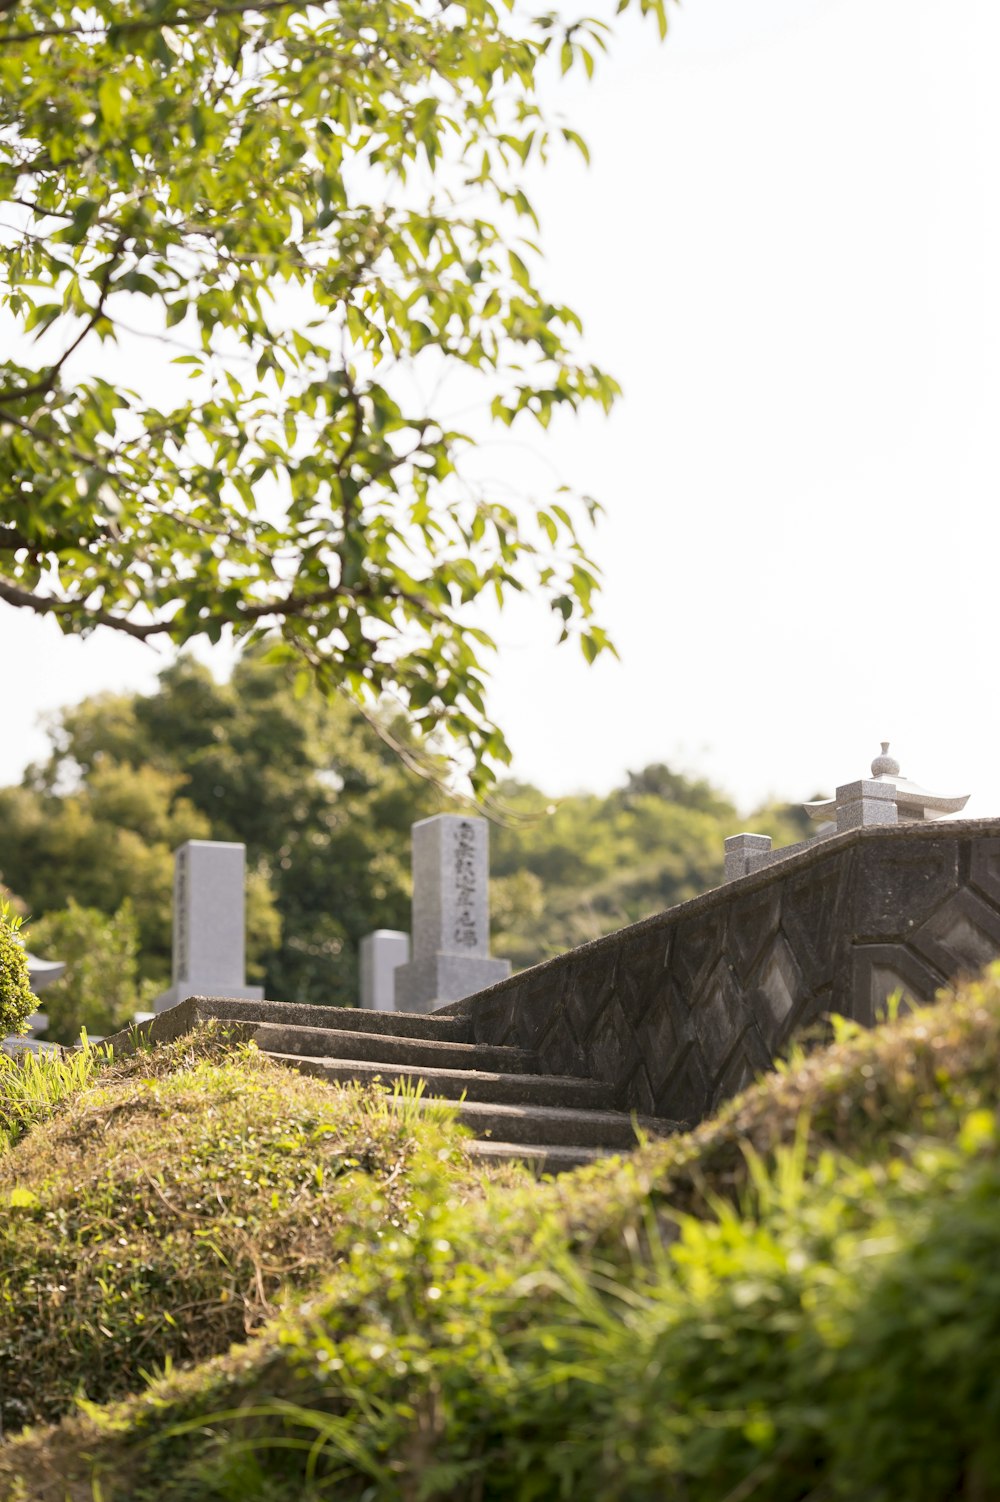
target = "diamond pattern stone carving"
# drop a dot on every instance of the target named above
(778, 991)
(677, 1012)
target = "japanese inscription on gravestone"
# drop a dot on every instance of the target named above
(181, 951)
(465, 931)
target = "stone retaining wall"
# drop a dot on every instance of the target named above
(681, 1011)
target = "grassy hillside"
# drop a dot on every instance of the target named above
(801, 1300)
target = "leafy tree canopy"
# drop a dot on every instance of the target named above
(99, 989)
(314, 210)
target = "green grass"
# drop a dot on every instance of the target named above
(155, 1212)
(798, 1302)
(32, 1086)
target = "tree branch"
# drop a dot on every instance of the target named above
(44, 605)
(254, 7)
(46, 382)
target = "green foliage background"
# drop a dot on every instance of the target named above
(324, 806)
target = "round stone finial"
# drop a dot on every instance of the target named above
(885, 765)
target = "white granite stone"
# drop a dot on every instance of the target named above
(451, 915)
(745, 853)
(209, 924)
(381, 954)
(870, 801)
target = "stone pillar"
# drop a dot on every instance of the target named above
(451, 916)
(380, 955)
(744, 854)
(866, 802)
(209, 925)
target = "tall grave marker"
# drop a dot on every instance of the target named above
(451, 915)
(209, 957)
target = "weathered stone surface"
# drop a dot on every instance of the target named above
(908, 880)
(380, 955)
(984, 869)
(777, 991)
(752, 921)
(962, 936)
(866, 803)
(208, 923)
(682, 1010)
(878, 970)
(451, 915)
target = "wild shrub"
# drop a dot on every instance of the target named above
(16, 1000)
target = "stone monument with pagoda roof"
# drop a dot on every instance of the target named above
(887, 797)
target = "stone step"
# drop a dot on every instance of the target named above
(386, 1050)
(524, 1124)
(451, 1084)
(557, 1126)
(353, 1019)
(538, 1157)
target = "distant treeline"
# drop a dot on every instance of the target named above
(324, 806)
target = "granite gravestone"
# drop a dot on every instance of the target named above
(451, 917)
(209, 924)
(381, 955)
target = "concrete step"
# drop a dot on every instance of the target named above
(536, 1156)
(559, 1090)
(557, 1126)
(415, 1053)
(353, 1019)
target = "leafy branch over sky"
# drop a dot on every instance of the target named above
(314, 212)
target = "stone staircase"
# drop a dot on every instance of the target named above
(554, 1122)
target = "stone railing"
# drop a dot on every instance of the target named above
(681, 1011)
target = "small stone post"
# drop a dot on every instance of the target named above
(451, 917)
(209, 925)
(866, 802)
(380, 955)
(744, 854)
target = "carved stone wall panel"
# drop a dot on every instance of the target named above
(542, 995)
(612, 1052)
(642, 976)
(750, 1058)
(897, 887)
(696, 945)
(813, 917)
(639, 1092)
(984, 869)
(588, 993)
(777, 991)
(880, 969)
(678, 1009)
(961, 937)
(687, 1091)
(662, 1037)
(752, 922)
(720, 1016)
(560, 1049)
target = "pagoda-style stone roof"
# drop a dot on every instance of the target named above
(913, 802)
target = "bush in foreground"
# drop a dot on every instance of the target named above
(799, 1301)
(16, 1000)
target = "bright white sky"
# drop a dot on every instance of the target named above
(786, 249)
